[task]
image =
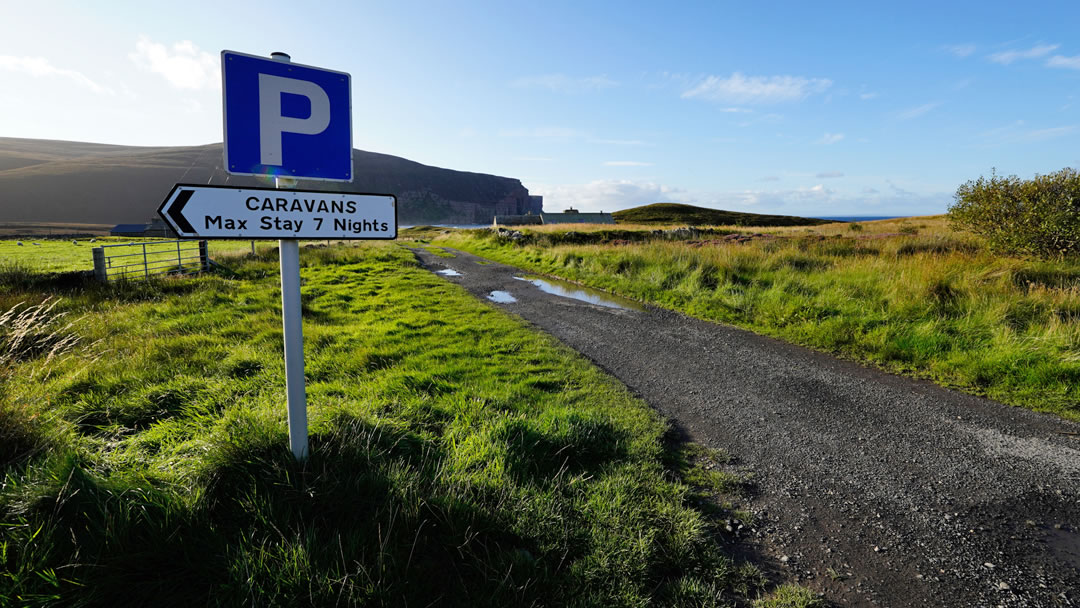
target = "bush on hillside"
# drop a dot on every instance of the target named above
(1039, 217)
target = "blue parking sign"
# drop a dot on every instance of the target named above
(286, 119)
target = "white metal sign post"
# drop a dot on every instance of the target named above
(291, 309)
(286, 120)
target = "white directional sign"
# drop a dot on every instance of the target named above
(222, 212)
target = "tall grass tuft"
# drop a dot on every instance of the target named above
(14, 274)
(34, 330)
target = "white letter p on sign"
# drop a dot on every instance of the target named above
(272, 124)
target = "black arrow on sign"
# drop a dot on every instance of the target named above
(175, 209)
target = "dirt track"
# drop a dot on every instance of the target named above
(871, 488)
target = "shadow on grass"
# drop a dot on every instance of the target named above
(365, 520)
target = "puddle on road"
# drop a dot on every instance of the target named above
(448, 272)
(1065, 543)
(501, 297)
(567, 289)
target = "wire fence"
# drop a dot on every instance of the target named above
(144, 260)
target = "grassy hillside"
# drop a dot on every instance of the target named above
(60, 181)
(458, 457)
(689, 215)
(909, 296)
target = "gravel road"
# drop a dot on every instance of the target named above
(870, 488)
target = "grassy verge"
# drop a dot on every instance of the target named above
(457, 458)
(920, 301)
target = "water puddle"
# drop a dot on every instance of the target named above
(448, 272)
(567, 289)
(1065, 543)
(502, 297)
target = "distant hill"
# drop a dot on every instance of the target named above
(676, 213)
(63, 181)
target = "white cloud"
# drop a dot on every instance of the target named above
(604, 195)
(769, 119)
(619, 142)
(563, 83)
(39, 67)
(537, 159)
(917, 111)
(830, 138)
(1041, 134)
(818, 199)
(735, 110)
(1007, 57)
(769, 178)
(1017, 132)
(898, 191)
(626, 163)
(829, 174)
(1061, 61)
(542, 132)
(765, 201)
(184, 65)
(756, 89)
(962, 84)
(866, 96)
(192, 106)
(960, 50)
(613, 195)
(564, 133)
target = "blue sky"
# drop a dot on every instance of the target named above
(801, 108)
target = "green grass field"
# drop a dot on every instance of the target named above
(53, 255)
(457, 457)
(907, 295)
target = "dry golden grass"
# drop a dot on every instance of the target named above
(936, 225)
(922, 225)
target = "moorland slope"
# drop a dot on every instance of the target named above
(63, 181)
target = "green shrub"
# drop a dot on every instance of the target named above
(1038, 217)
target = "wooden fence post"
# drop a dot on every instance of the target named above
(100, 273)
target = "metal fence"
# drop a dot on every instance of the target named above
(144, 260)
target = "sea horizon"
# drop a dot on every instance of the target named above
(857, 218)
